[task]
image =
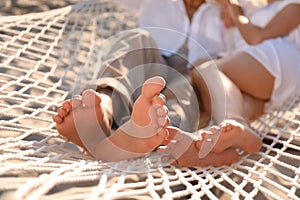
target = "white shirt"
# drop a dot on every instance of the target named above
(168, 23)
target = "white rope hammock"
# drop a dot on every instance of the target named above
(40, 57)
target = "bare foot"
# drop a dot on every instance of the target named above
(80, 115)
(237, 134)
(184, 150)
(85, 122)
(144, 131)
(187, 149)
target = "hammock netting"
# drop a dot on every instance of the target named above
(41, 56)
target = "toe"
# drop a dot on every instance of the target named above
(163, 121)
(159, 100)
(91, 98)
(198, 144)
(164, 133)
(62, 112)
(76, 102)
(153, 86)
(162, 111)
(214, 129)
(67, 105)
(229, 125)
(57, 119)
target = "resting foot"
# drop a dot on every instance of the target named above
(145, 131)
(86, 122)
(236, 133)
(185, 150)
(87, 113)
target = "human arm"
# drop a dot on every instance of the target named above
(280, 25)
(225, 14)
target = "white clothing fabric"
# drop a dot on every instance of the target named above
(263, 16)
(168, 23)
(233, 39)
(280, 56)
(204, 32)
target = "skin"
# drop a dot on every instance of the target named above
(120, 145)
(247, 84)
(281, 24)
(246, 101)
(192, 6)
(223, 153)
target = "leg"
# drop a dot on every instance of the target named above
(221, 98)
(249, 75)
(131, 57)
(227, 102)
(253, 107)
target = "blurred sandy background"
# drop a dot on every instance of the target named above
(19, 7)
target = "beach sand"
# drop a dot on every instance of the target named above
(19, 7)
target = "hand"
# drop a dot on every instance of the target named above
(230, 9)
(226, 16)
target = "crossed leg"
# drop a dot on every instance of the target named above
(218, 145)
(86, 122)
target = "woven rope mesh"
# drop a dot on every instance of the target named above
(41, 56)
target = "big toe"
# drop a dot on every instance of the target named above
(153, 86)
(91, 98)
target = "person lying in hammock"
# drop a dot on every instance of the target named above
(146, 130)
(256, 78)
(259, 77)
(233, 133)
(131, 57)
